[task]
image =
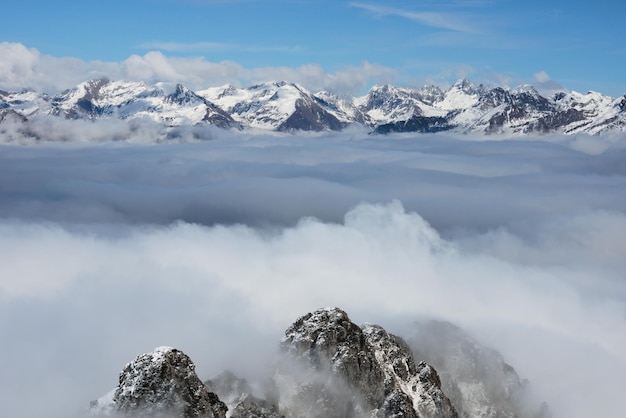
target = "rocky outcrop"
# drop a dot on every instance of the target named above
(332, 368)
(424, 124)
(310, 116)
(338, 369)
(160, 384)
(406, 381)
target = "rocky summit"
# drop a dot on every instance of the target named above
(332, 368)
(355, 371)
(160, 384)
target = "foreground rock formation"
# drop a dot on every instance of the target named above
(340, 369)
(332, 368)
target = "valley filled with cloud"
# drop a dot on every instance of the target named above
(215, 241)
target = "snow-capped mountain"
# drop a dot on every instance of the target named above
(121, 99)
(276, 106)
(288, 107)
(478, 109)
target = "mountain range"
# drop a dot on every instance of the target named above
(329, 367)
(288, 107)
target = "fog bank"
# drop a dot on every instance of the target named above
(215, 247)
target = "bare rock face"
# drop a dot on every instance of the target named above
(332, 370)
(405, 382)
(337, 369)
(161, 384)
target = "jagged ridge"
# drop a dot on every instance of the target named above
(288, 107)
(332, 368)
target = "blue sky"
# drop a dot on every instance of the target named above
(577, 43)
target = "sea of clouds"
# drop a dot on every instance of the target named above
(214, 242)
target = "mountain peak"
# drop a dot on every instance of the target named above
(287, 106)
(160, 383)
(464, 85)
(367, 371)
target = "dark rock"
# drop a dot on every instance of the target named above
(161, 384)
(340, 369)
(506, 116)
(531, 100)
(494, 98)
(422, 124)
(310, 116)
(404, 380)
(556, 120)
(334, 372)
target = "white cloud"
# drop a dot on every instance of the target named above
(224, 294)
(546, 85)
(541, 77)
(18, 64)
(27, 68)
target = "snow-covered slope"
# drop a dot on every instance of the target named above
(122, 99)
(523, 110)
(26, 103)
(277, 106)
(289, 107)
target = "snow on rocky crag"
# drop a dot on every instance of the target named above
(331, 367)
(288, 107)
(354, 371)
(160, 384)
(279, 106)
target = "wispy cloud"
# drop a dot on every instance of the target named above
(447, 21)
(216, 46)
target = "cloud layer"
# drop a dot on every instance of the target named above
(109, 250)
